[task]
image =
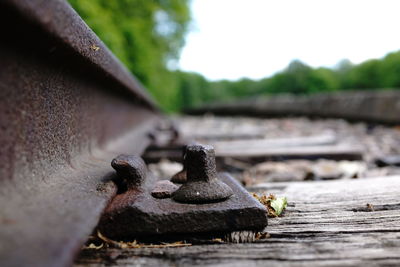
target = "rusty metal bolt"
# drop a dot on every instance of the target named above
(163, 189)
(179, 177)
(202, 184)
(131, 169)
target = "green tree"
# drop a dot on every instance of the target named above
(322, 79)
(390, 70)
(193, 89)
(342, 70)
(146, 35)
(365, 75)
(294, 79)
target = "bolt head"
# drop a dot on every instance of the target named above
(202, 184)
(199, 163)
(202, 192)
(131, 168)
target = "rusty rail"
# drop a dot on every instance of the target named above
(67, 106)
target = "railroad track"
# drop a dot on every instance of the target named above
(342, 209)
(68, 107)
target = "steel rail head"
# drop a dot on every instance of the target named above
(61, 21)
(66, 106)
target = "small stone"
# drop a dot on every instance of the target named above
(288, 171)
(352, 169)
(165, 168)
(163, 189)
(391, 160)
(326, 170)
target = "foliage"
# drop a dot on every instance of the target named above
(298, 78)
(146, 35)
(279, 204)
(274, 205)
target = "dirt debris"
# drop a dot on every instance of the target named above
(370, 207)
(105, 242)
(275, 206)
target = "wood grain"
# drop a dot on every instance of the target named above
(327, 223)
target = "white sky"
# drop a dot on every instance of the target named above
(232, 39)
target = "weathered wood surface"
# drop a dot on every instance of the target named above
(327, 223)
(340, 151)
(311, 147)
(266, 143)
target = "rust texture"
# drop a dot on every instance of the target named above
(130, 169)
(65, 111)
(202, 185)
(144, 209)
(137, 214)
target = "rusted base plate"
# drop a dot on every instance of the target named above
(136, 214)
